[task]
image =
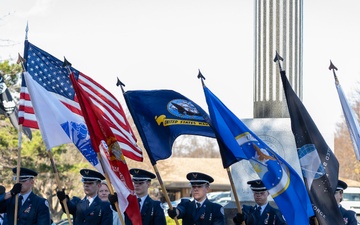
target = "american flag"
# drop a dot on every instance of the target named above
(49, 72)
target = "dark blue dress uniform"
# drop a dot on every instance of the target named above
(98, 212)
(252, 215)
(349, 216)
(208, 213)
(3, 219)
(270, 215)
(151, 212)
(35, 209)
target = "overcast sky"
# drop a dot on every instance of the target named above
(161, 44)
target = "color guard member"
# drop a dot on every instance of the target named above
(262, 212)
(200, 211)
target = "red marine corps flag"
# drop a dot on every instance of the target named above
(112, 158)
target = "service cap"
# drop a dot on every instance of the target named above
(199, 178)
(341, 185)
(141, 175)
(91, 175)
(257, 185)
(25, 173)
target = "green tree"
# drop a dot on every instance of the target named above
(11, 74)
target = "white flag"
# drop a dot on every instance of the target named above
(351, 120)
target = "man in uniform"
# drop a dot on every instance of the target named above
(3, 219)
(90, 210)
(200, 211)
(348, 215)
(151, 211)
(262, 212)
(32, 209)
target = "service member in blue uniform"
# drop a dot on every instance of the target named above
(151, 211)
(348, 215)
(262, 212)
(200, 211)
(90, 210)
(32, 209)
(3, 217)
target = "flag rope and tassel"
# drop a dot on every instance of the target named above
(237, 201)
(163, 188)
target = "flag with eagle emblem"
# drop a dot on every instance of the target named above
(281, 180)
(161, 116)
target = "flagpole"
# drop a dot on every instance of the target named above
(237, 201)
(121, 84)
(110, 186)
(277, 59)
(350, 116)
(59, 184)
(18, 173)
(333, 68)
(164, 191)
(19, 61)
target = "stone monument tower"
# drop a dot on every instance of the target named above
(278, 27)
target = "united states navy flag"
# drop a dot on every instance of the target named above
(161, 116)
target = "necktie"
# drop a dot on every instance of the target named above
(258, 210)
(139, 200)
(20, 200)
(198, 205)
(87, 203)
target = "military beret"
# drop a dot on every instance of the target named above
(199, 178)
(25, 173)
(140, 175)
(257, 185)
(341, 185)
(91, 175)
